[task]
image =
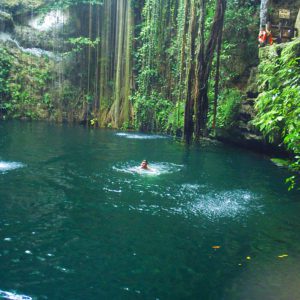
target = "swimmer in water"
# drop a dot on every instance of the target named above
(144, 165)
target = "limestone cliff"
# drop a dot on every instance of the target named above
(243, 131)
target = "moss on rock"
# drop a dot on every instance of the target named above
(6, 22)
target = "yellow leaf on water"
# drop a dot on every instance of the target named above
(283, 255)
(216, 247)
(248, 257)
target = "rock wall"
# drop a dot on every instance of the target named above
(34, 54)
(292, 5)
(31, 38)
(6, 22)
(243, 132)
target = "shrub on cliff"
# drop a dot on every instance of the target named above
(278, 104)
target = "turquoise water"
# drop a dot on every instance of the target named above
(78, 220)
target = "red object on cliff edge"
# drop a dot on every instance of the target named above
(265, 38)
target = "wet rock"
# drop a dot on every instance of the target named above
(252, 86)
(21, 6)
(297, 23)
(31, 38)
(243, 132)
(6, 22)
(242, 136)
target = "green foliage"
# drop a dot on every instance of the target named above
(157, 51)
(239, 49)
(228, 106)
(79, 43)
(5, 66)
(175, 122)
(151, 112)
(281, 162)
(22, 4)
(163, 54)
(61, 4)
(278, 105)
(24, 83)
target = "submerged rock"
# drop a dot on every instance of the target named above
(281, 162)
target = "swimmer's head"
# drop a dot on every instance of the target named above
(144, 164)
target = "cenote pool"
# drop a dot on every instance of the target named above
(79, 221)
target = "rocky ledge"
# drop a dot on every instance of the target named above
(6, 22)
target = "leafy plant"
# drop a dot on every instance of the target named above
(278, 105)
(229, 103)
(61, 4)
(151, 112)
(82, 42)
(5, 66)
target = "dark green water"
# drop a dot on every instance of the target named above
(76, 221)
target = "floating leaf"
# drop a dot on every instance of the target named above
(248, 257)
(216, 247)
(282, 255)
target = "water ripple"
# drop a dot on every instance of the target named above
(156, 168)
(194, 200)
(221, 204)
(13, 296)
(140, 136)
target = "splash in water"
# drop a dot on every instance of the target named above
(140, 136)
(13, 296)
(7, 166)
(196, 200)
(215, 204)
(155, 169)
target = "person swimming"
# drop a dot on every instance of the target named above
(144, 165)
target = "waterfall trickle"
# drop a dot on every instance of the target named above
(6, 37)
(53, 20)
